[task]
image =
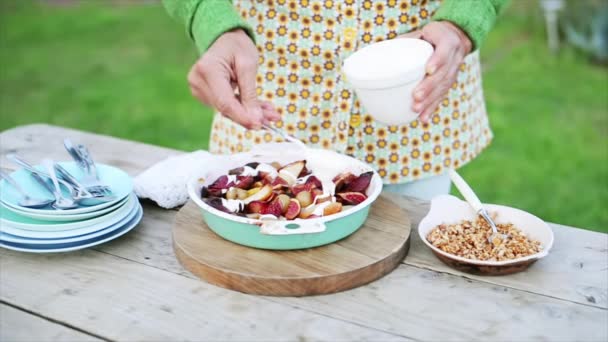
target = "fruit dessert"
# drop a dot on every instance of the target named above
(288, 192)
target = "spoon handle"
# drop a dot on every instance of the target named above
(49, 165)
(13, 183)
(466, 190)
(17, 160)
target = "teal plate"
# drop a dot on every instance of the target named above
(119, 181)
(45, 218)
(44, 229)
(74, 235)
(72, 246)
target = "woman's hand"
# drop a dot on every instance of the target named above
(451, 46)
(231, 63)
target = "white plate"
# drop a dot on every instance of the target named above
(68, 218)
(119, 181)
(58, 231)
(67, 247)
(4, 237)
(446, 209)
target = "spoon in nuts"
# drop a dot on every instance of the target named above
(469, 195)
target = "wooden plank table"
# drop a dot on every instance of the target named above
(133, 288)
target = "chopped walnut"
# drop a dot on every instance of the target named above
(469, 239)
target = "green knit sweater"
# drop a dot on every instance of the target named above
(206, 20)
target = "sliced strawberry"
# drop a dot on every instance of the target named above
(360, 183)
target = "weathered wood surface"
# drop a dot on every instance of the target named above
(562, 297)
(17, 325)
(368, 254)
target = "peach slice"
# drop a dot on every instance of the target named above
(294, 168)
(231, 193)
(284, 200)
(253, 191)
(305, 198)
(333, 208)
(306, 212)
(262, 195)
(241, 194)
(287, 177)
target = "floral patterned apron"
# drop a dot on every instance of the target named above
(302, 44)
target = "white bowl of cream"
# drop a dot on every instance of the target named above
(384, 76)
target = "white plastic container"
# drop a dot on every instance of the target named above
(384, 76)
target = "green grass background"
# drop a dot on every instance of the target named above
(119, 68)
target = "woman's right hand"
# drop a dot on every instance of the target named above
(231, 63)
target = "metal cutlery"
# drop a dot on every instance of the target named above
(473, 200)
(77, 191)
(26, 200)
(61, 202)
(284, 135)
(82, 195)
(83, 158)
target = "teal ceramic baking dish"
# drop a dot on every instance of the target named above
(287, 235)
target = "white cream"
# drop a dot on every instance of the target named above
(268, 217)
(303, 180)
(323, 196)
(249, 171)
(325, 170)
(233, 205)
(266, 168)
(231, 179)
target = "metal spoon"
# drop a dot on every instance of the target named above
(285, 136)
(61, 202)
(474, 201)
(26, 201)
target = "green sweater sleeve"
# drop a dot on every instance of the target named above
(475, 17)
(206, 20)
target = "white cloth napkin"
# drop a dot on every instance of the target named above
(166, 182)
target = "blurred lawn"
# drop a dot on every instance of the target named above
(120, 69)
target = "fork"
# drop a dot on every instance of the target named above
(79, 193)
(83, 158)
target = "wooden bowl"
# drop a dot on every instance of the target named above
(447, 209)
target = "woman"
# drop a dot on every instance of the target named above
(283, 58)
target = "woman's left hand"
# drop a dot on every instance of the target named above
(451, 46)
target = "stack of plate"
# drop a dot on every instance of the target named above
(49, 230)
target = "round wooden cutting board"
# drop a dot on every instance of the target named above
(368, 254)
